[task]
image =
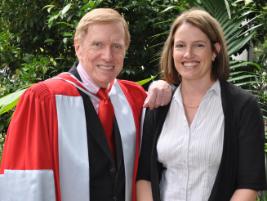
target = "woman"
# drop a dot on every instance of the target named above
(208, 143)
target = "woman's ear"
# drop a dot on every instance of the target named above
(217, 47)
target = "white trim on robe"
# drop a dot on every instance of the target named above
(73, 148)
(21, 185)
(125, 119)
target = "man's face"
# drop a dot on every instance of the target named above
(101, 52)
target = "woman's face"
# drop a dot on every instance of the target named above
(192, 53)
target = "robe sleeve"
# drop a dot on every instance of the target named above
(27, 168)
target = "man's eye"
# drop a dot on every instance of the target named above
(117, 46)
(97, 44)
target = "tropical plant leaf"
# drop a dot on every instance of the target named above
(235, 46)
(9, 101)
(240, 65)
(147, 80)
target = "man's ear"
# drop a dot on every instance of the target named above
(76, 46)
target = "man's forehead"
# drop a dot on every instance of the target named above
(102, 33)
(114, 24)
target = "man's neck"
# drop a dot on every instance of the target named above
(86, 79)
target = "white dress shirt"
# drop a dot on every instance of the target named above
(191, 154)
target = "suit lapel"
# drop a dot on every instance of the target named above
(118, 145)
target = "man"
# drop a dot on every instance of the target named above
(59, 147)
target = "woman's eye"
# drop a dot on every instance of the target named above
(178, 46)
(200, 45)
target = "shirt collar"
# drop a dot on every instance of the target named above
(86, 80)
(214, 89)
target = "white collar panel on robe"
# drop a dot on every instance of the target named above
(73, 147)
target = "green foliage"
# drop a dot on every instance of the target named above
(36, 68)
(26, 20)
(260, 56)
(9, 52)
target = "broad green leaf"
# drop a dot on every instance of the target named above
(237, 45)
(65, 9)
(9, 101)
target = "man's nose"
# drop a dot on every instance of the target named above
(107, 53)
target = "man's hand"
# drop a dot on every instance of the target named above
(159, 94)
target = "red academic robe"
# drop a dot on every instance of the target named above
(44, 159)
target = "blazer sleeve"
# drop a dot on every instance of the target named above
(148, 138)
(251, 162)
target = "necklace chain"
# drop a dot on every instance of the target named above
(190, 106)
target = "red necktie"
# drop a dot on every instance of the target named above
(106, 116)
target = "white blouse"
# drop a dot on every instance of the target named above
(191, 154)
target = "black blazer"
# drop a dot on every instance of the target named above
(242, 164)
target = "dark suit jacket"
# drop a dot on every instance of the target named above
(242, 164)
(107, 176)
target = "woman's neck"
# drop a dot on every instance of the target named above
(192, 94)
(195, 88)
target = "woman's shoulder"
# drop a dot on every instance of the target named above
(236, 93)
